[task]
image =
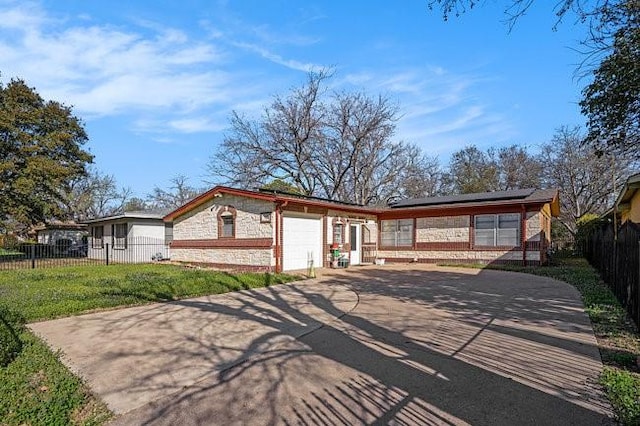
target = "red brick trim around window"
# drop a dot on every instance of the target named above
(242, 243)
(452, 245)
(227, 211)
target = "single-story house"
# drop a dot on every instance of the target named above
(269, 230)
(130, 237)
(627, 204)
(61, 233)
(502, 226)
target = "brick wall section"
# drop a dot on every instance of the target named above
(202, 222)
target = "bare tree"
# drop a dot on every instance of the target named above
(422, 175)
(179, 193)
(517, 168)
(511, 167)
(278, 146)
(95, 195)
(336, 145)
(586, 180)
(472, 170)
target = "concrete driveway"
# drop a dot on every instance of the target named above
(393, 344)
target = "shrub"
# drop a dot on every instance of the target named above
(8, 240)
(11, 324)
(587, 224)
(623, 389)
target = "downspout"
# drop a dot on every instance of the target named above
(277, 238)
(523, 238)
(279, 260)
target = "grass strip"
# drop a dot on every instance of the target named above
(40, 294)
(35, 387)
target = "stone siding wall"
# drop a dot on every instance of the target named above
(442, 229)
(533, 226)
(369, 233)
(202, 222)
(469, 256)
(250, 257)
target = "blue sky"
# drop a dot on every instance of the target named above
(156, 81)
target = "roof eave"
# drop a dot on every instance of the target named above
(554, 204)
(206, 196)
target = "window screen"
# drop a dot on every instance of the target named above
(227, 226)
(493, 230)
(396, 233)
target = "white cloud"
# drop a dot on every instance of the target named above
(440, 111)
(182, 125)
(102, 70)
(277, 59)
(197, 124)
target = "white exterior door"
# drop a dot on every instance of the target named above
(301, 242)
(355, 240)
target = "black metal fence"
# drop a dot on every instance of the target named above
(617, 257)
(28, 255)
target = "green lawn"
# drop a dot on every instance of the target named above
(618, 338)
(56, 292)
(36, 388)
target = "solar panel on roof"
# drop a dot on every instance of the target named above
(465, 198)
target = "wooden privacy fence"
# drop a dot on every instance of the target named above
(617, 257)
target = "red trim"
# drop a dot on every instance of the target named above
(232, 266)
(383, 213)
(277, 239)
(203, 198)
(462, 261)
(467, 209)
(226, 210)
(248, 243)
(281, 237)
(523, 234)
(453, 245)
(443, 246)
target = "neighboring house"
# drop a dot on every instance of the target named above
(627, 204)
(266, 230)
(130, 237)
(61, 233)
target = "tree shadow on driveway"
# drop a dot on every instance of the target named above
(421, 347)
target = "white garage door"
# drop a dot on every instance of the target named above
(302, 240)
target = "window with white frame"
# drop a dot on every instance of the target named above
(497, 230)
(396, 233)
(97, 233)
(119, 235)
(338, 233)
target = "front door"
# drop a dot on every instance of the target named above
(355, 239)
